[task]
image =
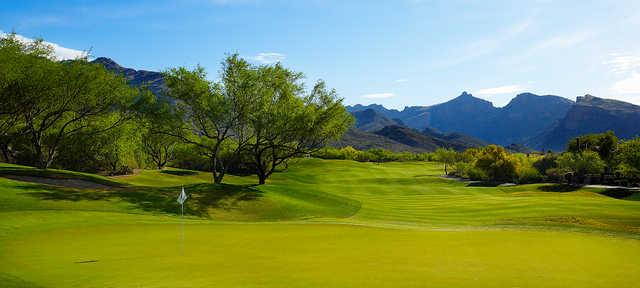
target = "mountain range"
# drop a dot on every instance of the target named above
(528, 121)
(541, 122)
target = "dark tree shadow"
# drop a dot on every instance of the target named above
(484, 184)
(559, 188)
(179, 172)
(202, 197)
(619, 193)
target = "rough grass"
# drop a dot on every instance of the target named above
(318, 224)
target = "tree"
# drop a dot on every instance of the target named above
(212, 116)
(496, 163)
(581, 163)
(66, 98)
(286, 124)
(18, 67)
(548, 161)
(605, 144)
(159, 147)
(628, 154)
(447, 157)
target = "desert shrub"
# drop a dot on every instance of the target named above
(476, 174)
(555, 175)
(545, 163)
(188, 157)
(529, 175)
(371, 155)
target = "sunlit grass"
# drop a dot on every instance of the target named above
(320, 223)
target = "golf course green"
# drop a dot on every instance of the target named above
(320, 223)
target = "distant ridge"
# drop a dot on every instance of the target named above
(526, 116)
(153, 80)
(591, 114)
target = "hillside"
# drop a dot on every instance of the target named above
(153, 80)
(362, 140)
(526, 116)
(591, 114)
(369, 120)
(429, 140)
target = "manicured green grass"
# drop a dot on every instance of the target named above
(318, 224)
(310, 255)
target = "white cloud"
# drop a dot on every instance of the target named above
(61, 53)
(378, 95)
(401, 80)
(508, 89)
(268, 57)
(629, 85)
(565, 41)
(623, 63)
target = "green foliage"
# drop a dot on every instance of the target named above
(605, 144)
(628, 155)
(548, 161)
(116, 151)
(446, 156)
(581, 163)
(50, 102)
(496, 163)
(371, 155)
(285, 122)
(528, 174)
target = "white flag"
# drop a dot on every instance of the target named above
(182, 197)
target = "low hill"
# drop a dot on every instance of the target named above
(369, 120)
(362, 140)
(428, 140)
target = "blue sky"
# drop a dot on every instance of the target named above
(397, 53)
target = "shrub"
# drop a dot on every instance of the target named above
(529, 175)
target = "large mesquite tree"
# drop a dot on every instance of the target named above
(212, 116)
(260, 112)
(285, 123)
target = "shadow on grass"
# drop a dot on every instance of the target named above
(57, 174)
(484, 184)
(619, 193)
(179, 172)
(202, 197)
(559, 188)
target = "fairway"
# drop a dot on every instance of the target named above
(318, 224)
(318, 255)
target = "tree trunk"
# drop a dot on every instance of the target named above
(445, 169)
(6, 153)
(262, 178)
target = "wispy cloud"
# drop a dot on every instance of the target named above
(401, 80)
(565, 40)
(268, 57)
(552, 43)
(60, 52)
(489, 44)
(507, 89)
(378, 95)
(629, 85)
(622, 63)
